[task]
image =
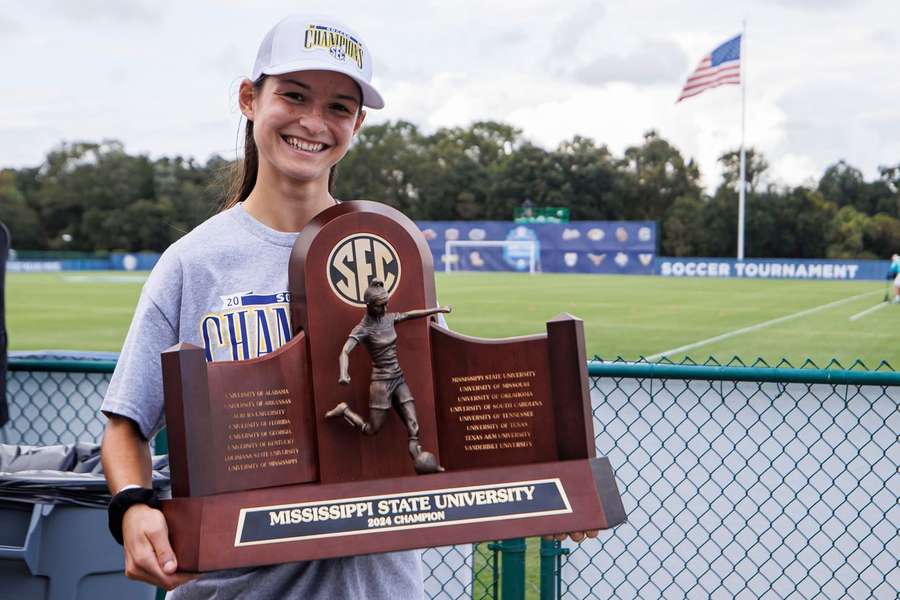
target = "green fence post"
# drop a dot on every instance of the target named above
(513, 569)
(494, 547)
(161, 443)
(548, 564)
(551, 569)
(161, 446)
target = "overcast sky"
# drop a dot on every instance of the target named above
(161, 75)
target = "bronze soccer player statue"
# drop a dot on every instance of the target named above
(376, 332)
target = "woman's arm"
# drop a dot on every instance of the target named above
(424, 312)
(344, 361)
(126, 461)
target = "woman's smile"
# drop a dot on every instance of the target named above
(305, 146)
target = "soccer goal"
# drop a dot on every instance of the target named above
(467, 255)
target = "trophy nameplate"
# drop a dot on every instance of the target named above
(261, 476)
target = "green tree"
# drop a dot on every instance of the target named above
(21, 219)
(652, 176)
(84, 176)
(847, 236)
(385, 164)
(755, 166)
(684, 230)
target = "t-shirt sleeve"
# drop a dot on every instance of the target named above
(135, 390)
(358, 333)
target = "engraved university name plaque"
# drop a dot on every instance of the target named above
(262, 475)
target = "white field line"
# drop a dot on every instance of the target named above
(860, 315)
(744, 330)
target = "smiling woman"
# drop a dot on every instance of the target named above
(303, 103)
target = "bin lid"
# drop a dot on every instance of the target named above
(63, 474)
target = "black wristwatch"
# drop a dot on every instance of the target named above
(124, 500)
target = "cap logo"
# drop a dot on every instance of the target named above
(355, 261)
(340, 44)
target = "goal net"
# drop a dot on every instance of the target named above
(491, 255)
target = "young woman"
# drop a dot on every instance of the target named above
(303, 104)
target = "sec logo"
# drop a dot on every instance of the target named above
(356, 260)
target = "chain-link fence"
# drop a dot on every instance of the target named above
(739, 481)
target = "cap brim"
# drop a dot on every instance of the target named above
(371, 97)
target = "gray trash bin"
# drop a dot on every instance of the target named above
(54, 540)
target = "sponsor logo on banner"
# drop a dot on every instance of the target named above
(475, 259)
(621, 234)
(644, 234)
(429, 234)
(393, 512)
(597, 259)
(356, 260)
(477, 234)
(596, 234)
(570, 234)
(621, 259)
(518, 255)
(452, 234)
(645, 259)
(570, 258)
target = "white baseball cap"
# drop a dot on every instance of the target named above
(317, 43)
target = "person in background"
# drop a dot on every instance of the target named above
(894, 273)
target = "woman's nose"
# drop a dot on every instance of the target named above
(312, 121)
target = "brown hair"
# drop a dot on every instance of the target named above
(242, 172)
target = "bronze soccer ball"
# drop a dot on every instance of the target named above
(426, 462)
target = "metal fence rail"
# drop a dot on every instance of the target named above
(739, 481)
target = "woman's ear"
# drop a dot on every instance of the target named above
(247, 98)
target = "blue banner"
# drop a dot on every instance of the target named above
(616, 247)
(773, 268)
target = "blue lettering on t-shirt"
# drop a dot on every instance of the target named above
(244, 333)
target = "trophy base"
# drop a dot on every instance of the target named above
(316, 521)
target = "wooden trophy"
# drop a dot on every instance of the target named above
(263, 472)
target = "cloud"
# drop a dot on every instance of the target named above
(653, 62)
(8, 27)
(571, 30)
(839, 119)
(885, 37)
(815, 5)
(132, 11)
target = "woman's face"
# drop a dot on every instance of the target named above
(303, 122)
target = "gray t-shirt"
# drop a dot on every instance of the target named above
(224, 287)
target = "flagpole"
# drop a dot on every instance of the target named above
(742, 183)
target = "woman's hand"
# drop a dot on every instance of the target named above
(148, 554)
(577, 536)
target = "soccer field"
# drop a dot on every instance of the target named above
(628, 316)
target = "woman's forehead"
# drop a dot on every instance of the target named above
(321, 80)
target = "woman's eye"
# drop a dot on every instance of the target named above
(340, 108)
(295, 96)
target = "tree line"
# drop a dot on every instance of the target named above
(97, 197)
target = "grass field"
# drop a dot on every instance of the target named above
(626, 316)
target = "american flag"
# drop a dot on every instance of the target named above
(720, 67)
